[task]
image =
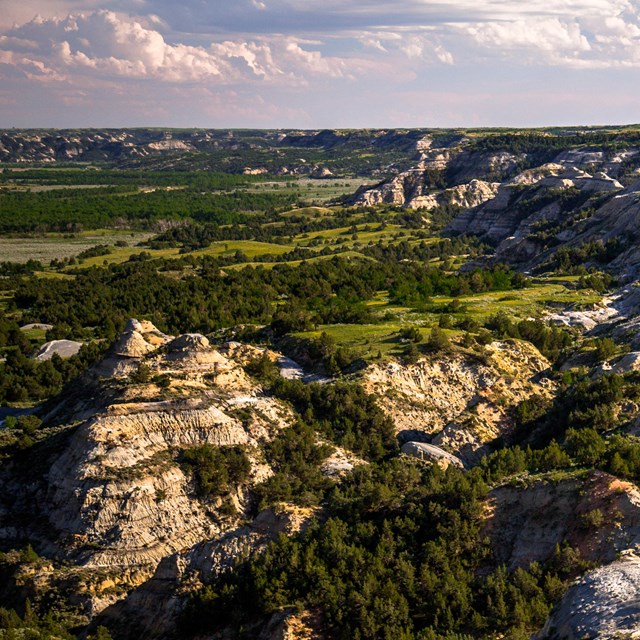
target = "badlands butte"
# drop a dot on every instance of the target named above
(320, 384)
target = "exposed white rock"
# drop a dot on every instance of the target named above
(170, 145)
(471, 194)
(116, 496)
(533, 176)
(154, 606)
(340, 463)
(138, 339)
(431, 453)
(412, 190)
(63, 348)
(460, 401)
(36, 325)
(195, 349)
(604, 604)
(627, 362)
(580, 319)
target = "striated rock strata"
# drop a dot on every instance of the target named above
(457, 401)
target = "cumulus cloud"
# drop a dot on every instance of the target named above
(267, 39)
(610, 40)
(85, 51)
(547, 34)
(110, 44)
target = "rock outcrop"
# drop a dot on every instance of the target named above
(431, 453)
(115, 498)
(63, 348)
(604, 604)
(594, 513)
(597, 517)
(153, 609)
(459, 402)
(413, 190)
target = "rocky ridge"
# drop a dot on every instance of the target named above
(116, 498)
(286, 152)
(115, 502)
(528, 520)
(160, 601)
(526, 205)
(597, 516)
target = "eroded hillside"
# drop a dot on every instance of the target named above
(410, 412)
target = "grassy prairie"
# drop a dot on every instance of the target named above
(35, 335)
(122, 254)
(315, 191)
(54, 275)
(250, 248)
(57, 246)
(270, 265)
(308, 212)
(365, 232)
(364, 339)
(530, 302)
(369, 339)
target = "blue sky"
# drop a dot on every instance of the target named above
(313, 63)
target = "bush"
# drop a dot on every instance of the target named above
(605, 348)
(217, 470)
(141, 375)
(585, 445)
(593, 519)
(438, 341)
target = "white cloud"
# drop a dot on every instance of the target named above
(253, 37)
(547, 34)
(110, 44)
(92, 52)
(597, 42)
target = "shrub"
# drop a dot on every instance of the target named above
(217, 470)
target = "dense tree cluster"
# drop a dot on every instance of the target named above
(551, 341)
(400, 555)
(531, 142)
(342, 412)
(75, 209)
(418, 286)
(323, 292)
(190, 180)
(24, 379)
(217, 470)
(573, 259)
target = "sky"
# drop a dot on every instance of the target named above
(318, 63)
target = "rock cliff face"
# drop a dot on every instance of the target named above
(458, 402)
(527, 521)
(153, 609)
(413, 190)
(530, 198)
(52, 145)
(115, 497)
(527, 224)
(525, 206)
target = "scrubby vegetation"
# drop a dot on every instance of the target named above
(217, 470)
(401, 554)
(397, 548)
